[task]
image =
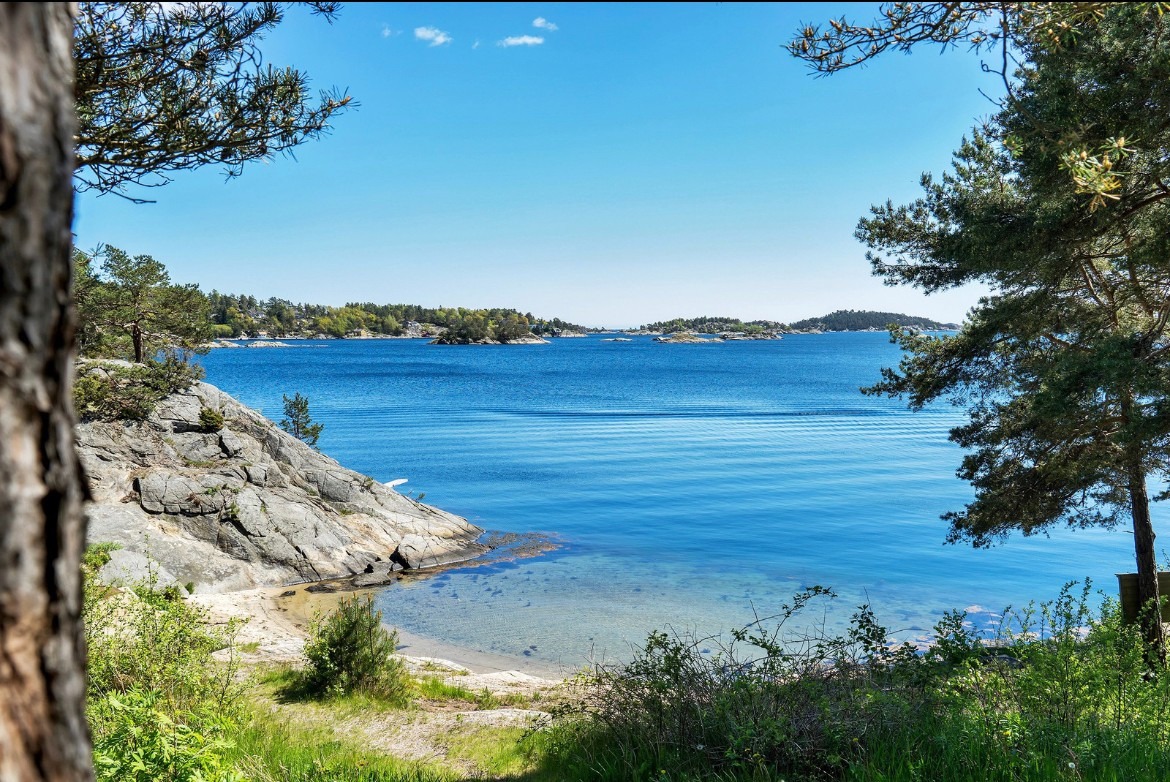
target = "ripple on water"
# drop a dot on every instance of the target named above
(692, 487)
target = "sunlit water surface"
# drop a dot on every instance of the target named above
(691, 485)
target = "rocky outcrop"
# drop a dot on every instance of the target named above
(247, 505)
(684, 337)
(744, 336)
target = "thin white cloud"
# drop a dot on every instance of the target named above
(476, 44)
(436, 36)
(521, 40)
(386, 31)
(543, 24)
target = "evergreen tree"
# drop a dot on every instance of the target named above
(298, 422)
(1059, 205)
(133, 311)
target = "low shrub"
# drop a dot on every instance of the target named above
(762, 702)
(210, 420)
(1060, 692)
(350, 651)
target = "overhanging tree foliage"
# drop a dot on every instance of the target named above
(164, 87)
(1061, 206)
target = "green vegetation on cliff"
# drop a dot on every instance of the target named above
(129, 310)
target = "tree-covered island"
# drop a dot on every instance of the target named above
(236, 316)
(838, 320)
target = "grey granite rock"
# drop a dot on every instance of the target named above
(249, 505)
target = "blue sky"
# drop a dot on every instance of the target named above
(642, 162)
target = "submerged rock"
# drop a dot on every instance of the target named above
(249, 505)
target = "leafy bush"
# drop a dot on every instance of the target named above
(1061, 688)
(153, 640)
(143, 741)
(160, 707)
(350, 651)
(210, 420)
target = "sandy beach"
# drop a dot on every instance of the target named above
(275, 626)
(273, 629)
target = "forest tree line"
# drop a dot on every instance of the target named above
(235, 316)
(840, 320)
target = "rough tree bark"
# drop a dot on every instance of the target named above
(43, 734)
(1147, 564)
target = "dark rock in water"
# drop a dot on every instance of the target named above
(418, 551)
(384, 573)
(363, 580)
(320, 588)
(508, 546)
(250, 505)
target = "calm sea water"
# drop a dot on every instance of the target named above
(691, 485)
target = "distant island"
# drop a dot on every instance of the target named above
(711, 325)
(243, 316)
(868, 320)
(236, 316)
(840, 320)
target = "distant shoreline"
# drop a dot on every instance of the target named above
(277, 342)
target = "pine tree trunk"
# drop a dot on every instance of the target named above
(1147, 564)
(136, 335)
(43, 734)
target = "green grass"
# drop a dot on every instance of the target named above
(497, 751)
(270, 749)
(435, 688)
(275, 742)
(963, 748)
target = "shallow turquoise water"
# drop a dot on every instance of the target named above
(690, 484)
